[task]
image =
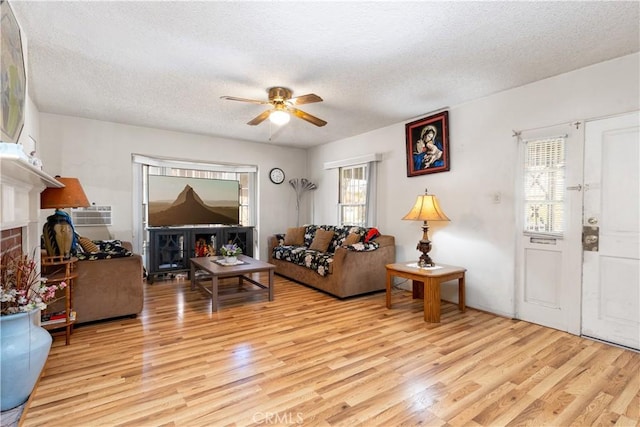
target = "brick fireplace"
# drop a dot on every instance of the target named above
(11, 241)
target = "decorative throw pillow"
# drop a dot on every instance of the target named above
(371, 234)
(351, 239)
(321, 241)
(294, 236)
(88, 245)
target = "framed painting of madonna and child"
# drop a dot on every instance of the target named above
(428, 145)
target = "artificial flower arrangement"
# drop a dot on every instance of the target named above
(230, 250)
(301, 186)
(21, 287)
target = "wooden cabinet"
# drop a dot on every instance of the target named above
(170, 248)
(60, 314)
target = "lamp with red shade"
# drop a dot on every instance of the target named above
(58, 231)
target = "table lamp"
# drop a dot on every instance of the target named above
(426, 209)
(58, 231)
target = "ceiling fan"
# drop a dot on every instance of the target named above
(283, 105)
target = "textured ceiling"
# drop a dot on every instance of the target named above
(166, 64)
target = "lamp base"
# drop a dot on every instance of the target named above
(58, 236)
(64, 238)
(425, 260)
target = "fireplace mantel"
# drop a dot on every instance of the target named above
(17, 169)
(20, 186)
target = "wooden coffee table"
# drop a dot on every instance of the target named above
(215, 271)
(431, 278)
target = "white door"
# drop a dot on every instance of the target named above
(549, 243)
(611, 273)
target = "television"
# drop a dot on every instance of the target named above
(179, 201)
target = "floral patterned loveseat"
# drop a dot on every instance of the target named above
(353, 263)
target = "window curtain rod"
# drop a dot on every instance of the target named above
(564, 135)
(367, 158)
(191, 164)
(518, 133)
(576, 123)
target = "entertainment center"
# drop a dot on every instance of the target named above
(171, 248)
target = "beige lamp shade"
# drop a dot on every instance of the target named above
(70, 196)
(426, 208)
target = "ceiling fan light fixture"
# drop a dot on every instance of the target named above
(283, 106)
(279, 117)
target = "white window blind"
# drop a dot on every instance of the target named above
(544, 186)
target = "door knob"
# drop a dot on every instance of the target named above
(593, 220)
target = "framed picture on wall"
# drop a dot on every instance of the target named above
(14, 82)
(428, 145)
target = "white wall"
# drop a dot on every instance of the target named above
(481, 234)
(99, 154)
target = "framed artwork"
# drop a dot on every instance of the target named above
(12, 75)
(428, 145)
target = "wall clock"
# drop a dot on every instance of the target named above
(276, 175)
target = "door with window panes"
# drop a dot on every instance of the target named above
(549, 250)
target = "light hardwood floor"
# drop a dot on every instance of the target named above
(310, 359)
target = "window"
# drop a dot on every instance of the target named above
(246, 175)
(356, 189)
(544, 186)
(353, 195)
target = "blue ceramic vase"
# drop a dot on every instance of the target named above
(25, 347)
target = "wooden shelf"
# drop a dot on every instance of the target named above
(56, 269)
(59, 323)
(60, 276)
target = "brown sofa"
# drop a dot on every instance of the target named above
(107, 288)
(351, 273)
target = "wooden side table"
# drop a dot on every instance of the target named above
(56, 269)
(431, 278)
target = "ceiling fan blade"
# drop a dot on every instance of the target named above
(305, 99)
(306, 116)
(259, 119)
(253, 101)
